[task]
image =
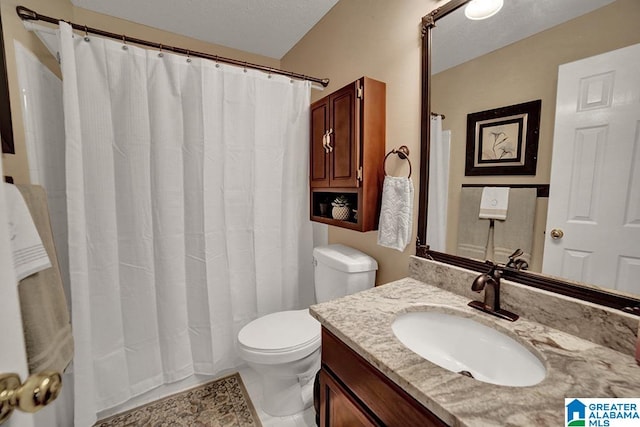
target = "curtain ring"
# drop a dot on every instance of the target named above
(245, 66)
(160, 54)
(215, 58)
(188, 56)
(86, 34)
(124, 43)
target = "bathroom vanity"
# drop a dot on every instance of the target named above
(354, 393)
(370, 378)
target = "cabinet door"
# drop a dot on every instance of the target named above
(364, 386)
(319, 157)
(338, 408)
(344, 136)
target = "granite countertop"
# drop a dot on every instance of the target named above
(575, 367)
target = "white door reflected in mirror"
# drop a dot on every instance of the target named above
(593, 220)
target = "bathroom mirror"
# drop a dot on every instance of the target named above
(454, 46)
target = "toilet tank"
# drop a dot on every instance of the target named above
(341, 270)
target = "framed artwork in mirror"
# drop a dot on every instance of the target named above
(6, 127)
(503, 141)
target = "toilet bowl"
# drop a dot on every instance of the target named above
(284, 347)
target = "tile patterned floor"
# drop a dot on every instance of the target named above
(251, 380)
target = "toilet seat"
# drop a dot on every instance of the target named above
(280, 337)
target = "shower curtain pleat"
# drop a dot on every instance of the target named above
(187, 212)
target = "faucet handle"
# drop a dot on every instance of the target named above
(513, 262)
(516, 254)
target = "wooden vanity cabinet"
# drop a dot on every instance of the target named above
(354, 393)
(340, 408)
(347, 150)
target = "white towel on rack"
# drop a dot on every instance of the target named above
(396, 213)
(494, 203)
(29, 255)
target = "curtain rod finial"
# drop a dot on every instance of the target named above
(26, 13)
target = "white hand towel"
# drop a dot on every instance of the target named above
(396, 213)
(29, 255)
(494, 203)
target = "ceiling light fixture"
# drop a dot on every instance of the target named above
(482, 9)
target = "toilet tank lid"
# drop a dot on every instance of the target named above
(344, 258)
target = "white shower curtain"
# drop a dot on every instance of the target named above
(187, 210)
(438, 185)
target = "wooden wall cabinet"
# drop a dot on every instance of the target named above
(354, 393)
(347, 150)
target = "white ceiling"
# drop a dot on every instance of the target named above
(266, 27)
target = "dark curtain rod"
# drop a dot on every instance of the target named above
(29, 15)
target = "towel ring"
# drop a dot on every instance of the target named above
(403, 153)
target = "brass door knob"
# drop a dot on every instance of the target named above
(557, 234)
(37, 392)
(9, 384)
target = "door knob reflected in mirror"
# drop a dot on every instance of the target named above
(34, 394)
(557, 234)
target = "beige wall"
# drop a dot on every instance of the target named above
(381, 39)
(532, 67)
(378, 39)
(17, 165)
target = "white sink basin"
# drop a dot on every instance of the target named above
(463, 345)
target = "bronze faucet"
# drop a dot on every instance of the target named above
(490, 283)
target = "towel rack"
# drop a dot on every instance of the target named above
(403, 153)
(542, 190)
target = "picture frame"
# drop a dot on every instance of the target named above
(503, 141)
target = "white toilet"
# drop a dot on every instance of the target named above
(284, 347)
